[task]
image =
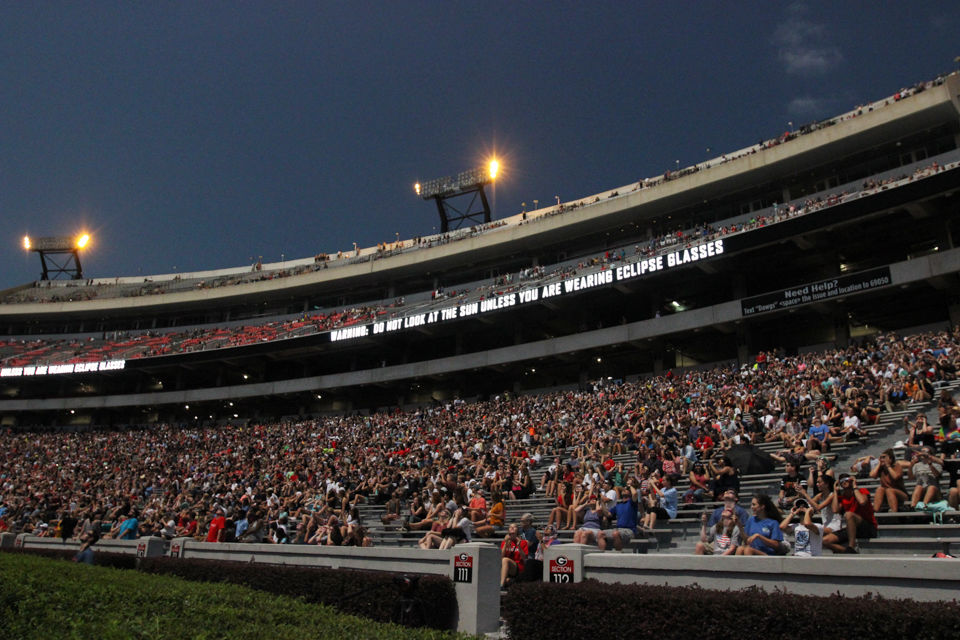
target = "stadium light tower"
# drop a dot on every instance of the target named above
(59, 255)
(451, 193)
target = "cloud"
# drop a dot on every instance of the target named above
(803, 45)
(939, 23)
(806, 106)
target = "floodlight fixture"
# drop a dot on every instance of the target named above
(468, 186)
(59, 255)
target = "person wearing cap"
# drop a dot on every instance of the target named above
(807, 535)
(859, 520)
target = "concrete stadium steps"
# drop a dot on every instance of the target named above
(947, 542)
(909, 533)
(900, 533)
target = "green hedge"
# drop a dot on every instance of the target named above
(43, 598)
(543, 611)
(100, 558)
(371, 594)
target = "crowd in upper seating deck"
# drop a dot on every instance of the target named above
(41, 293)
(120, 345)
(435, 467)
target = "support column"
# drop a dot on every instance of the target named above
(841, 330)
(739, 286)
(475, 570)
(564, 562)
(954, 313)
(743, 349)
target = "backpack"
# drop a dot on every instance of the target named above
(937, 509)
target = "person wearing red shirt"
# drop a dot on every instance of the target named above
(854, 504)
(217, 527)
(704, 444)
(478, 506)
(187, 527)
(513, 553)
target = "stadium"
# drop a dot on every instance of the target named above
(805, 265)
(809, 239)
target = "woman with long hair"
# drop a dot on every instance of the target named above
(762, 535)
(892, 490)
(558, 515)
(575, 512)
(698, 484)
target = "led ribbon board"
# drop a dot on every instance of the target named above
(52, 369)
(620, 273)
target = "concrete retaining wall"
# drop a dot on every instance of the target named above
(925, 579)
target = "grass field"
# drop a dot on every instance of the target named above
(43, 598)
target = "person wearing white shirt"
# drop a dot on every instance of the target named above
(808, 535)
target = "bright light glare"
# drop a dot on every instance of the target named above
(494, 168)
(83, 241)
(26, 242)
(416, 187)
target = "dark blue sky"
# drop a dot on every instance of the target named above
(196, 135)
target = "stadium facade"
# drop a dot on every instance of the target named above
(823, 235)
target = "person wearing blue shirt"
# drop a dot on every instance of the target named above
(729, 502)
(242, 525)
(762, 529)
(667, 501)
(625, 515)
(817, 434)
(127, 530)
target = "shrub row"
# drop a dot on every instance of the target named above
(542, 611)
(101, 558)
(370, 594)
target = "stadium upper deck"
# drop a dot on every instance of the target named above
(905, 127)
(802, 240)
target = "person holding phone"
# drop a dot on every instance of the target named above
(513, 554)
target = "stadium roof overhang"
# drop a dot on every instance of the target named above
(924, 111)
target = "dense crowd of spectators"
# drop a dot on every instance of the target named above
(433, 468)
